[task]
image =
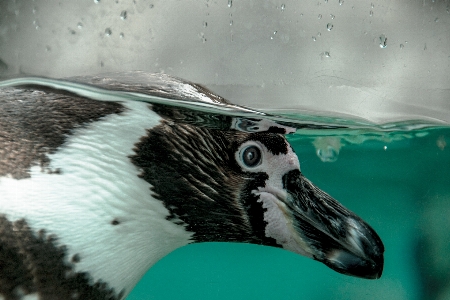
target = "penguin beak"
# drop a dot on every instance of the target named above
(328, 232)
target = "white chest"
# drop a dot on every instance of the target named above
(97, 206)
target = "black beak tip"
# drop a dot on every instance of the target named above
(350, 264)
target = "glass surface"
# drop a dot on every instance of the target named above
(380, 60)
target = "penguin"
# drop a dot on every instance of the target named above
(94, 192)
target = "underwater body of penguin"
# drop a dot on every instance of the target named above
(93, 193)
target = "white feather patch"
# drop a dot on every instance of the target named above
(98, 184)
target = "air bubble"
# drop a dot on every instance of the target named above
(80, 25)
(329, 26)
(314, 38)
(319, 34)
(205, 24)
(283, 7)
(402, 46)
(328, 154)
(372, 5)
(319, 17)
(383, 41)
(121, 35)
(230, 3)
(231, 22)
(371, 13)
(123, 15)
(96, 1)
(341, 2)
(332, 16)
(108, 31)
(436, 20)
(327, 148)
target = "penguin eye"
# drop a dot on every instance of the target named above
(251, 156)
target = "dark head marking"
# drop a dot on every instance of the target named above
(194, 172)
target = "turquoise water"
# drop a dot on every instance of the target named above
(399, 182)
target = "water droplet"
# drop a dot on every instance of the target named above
(314, 38)
(123, 15)
(283, 7)
(202, 37)
(327, 54)
(330, 26)
(319, 17)
(436, 20)
(96, 1)
(121, 35)
(341, 2)
(108, 31)
(80, 25)
(275, 32)
(231, 22)
(230, 3)
(385, 147)
(402, 46)
(372, 5)
(383, 41)
(36, 25)
(319, 34)
(205, 24)
(332, 16)
(326, 1)
(371, 13)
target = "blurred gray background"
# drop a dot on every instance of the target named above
(380, 60)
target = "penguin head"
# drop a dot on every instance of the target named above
(231, 186)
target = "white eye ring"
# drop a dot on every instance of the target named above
(251, 156)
